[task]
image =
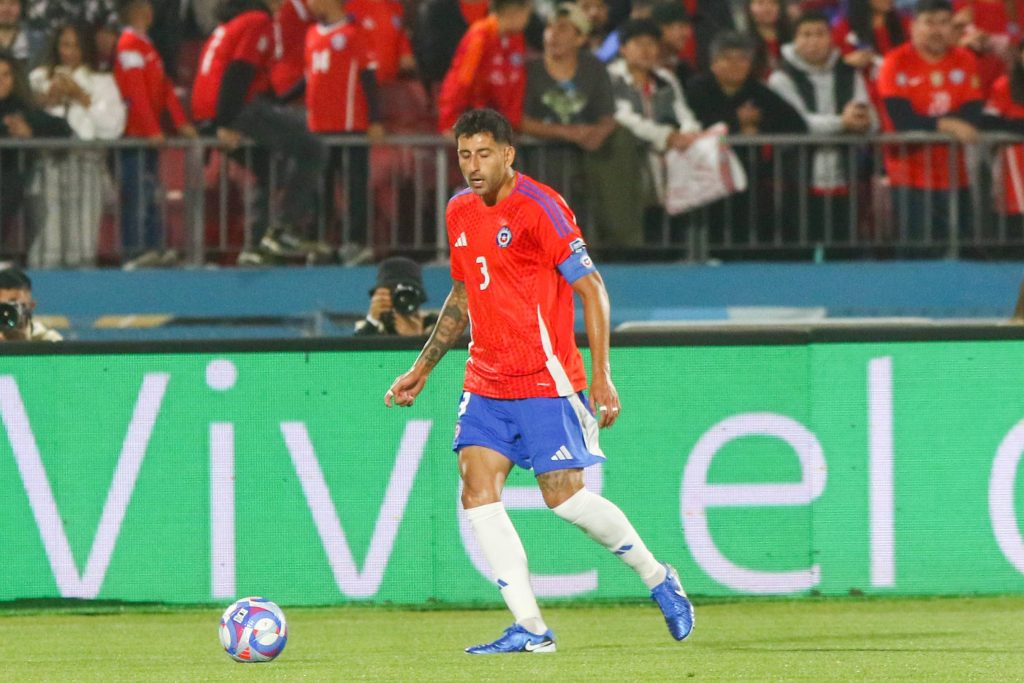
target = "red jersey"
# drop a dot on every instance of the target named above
(520, 305)
(473, 12)
(335, 99)
(991, 17)
(934, 90)
(1010, 169)
(291, 23)
(144, 85)
(487, 71)
(384, 21)
(249, 37)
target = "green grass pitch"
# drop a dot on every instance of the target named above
(942, 639)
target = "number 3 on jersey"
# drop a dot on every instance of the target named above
(482, 260)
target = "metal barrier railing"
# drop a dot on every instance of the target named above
(67, 203)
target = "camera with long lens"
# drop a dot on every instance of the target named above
(406, 298)
(12, 314)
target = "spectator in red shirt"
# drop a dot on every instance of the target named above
(1005, 112)
(769, 25)
(341, 99)
(870, 30)
(231, 97)
(990, 49)
(292, 20)
(488, 69)
(148, 95)
(929, 84)
(384, 21)
(440, 27)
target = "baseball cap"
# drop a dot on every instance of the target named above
(575, 14)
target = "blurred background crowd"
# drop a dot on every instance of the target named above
(139, 133)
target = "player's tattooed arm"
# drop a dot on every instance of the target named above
(451, 323)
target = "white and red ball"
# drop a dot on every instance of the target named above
(253, 630)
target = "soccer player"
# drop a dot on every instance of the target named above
(516, 258)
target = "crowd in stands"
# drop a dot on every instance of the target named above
(614, 83)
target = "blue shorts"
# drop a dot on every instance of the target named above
(542, 434)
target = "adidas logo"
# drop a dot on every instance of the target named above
(562, 454)
(461, 242)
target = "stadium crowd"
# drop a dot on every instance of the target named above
(625, 89)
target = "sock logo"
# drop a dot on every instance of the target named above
(624, 549)
(562, 454)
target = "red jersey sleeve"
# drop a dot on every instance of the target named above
(557, 230)
(999, 101)
(560, 239)
(453, 236)
(130, 74)
(969, 63)
(887, 85)
(256, 45)
(174, 107)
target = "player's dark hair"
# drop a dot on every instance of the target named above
(15, 278)
(731, 40)
(636, 28)
(926, 6)
(477, 121)
(860, 19)
(812, 17)
(499, 5)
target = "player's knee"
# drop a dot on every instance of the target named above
(558, 487)
(473, 498)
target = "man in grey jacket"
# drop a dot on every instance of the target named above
(832, 98)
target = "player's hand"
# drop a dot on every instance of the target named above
(604, 400)
(188, 131)
(405, 388)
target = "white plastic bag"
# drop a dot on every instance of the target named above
(706, 171)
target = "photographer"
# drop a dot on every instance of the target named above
(16, 308)
(395, 301)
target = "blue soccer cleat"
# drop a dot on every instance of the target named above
(516, 639)
(674, 604)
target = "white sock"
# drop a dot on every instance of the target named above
(507, 557)
(607, 524)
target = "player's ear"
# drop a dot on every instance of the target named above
(510, 155)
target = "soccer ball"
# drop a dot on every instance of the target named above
(253, 630)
